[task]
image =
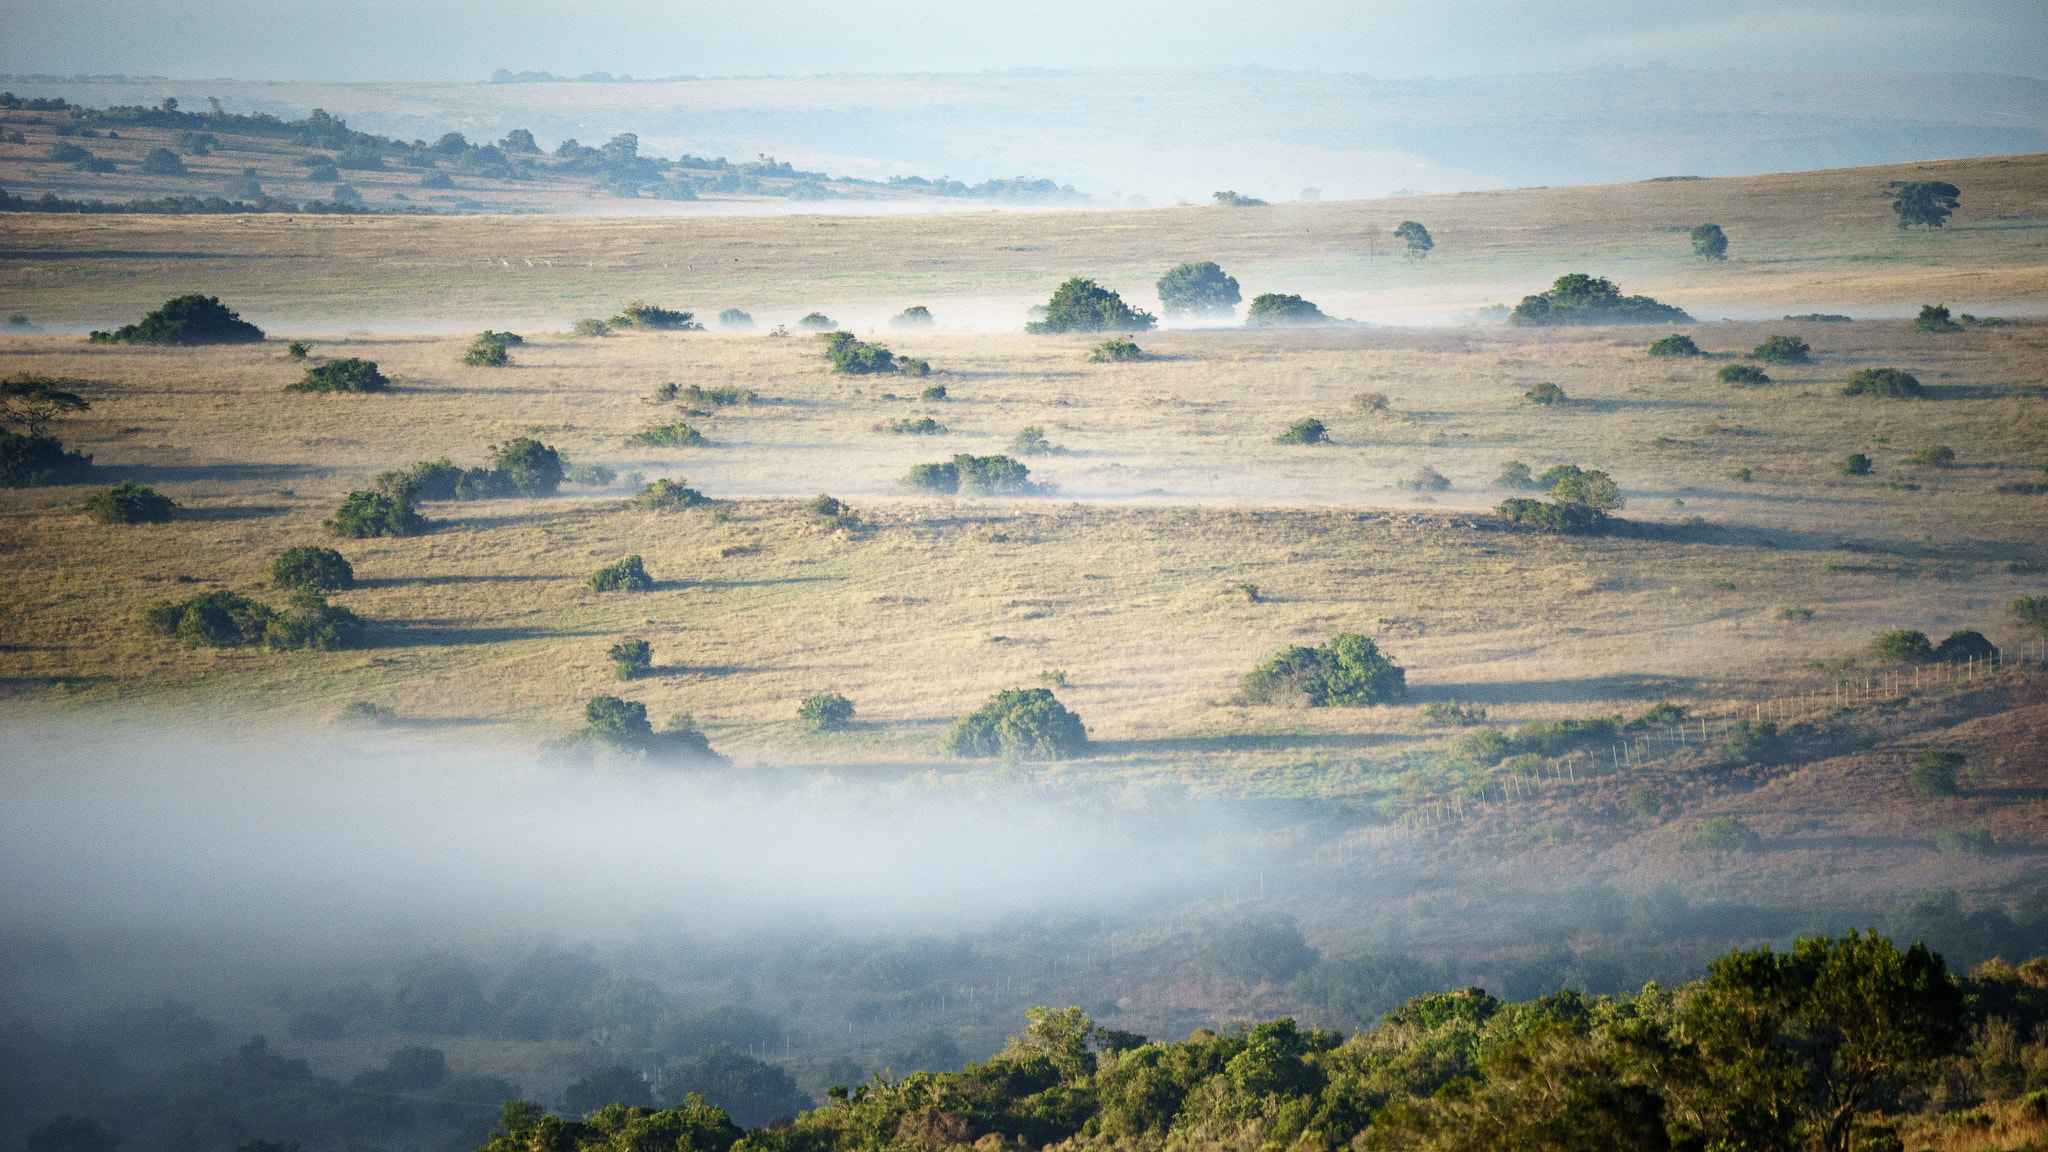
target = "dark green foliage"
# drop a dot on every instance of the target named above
(213, 620)
(831, 511)
(485, 352)
(667, 494)
(625, 574)
(677, 435)
(1569, 519)
(1591, 488)
(620, 1127)
(1452, 713)
(639, 314)
(296, 350)
(935, 392)
(346, 375)
(1724, 834)
(1081, 305)
(1196, 290)
(1782, 350)
(64, 152)
(2032, 611)
(630, 659)
(1676, 344)
(1233, 200)
(1906, 646)
(34, 461)
(425, 480)
(1935, 318)
(1928, 203)
(856, 357)
(1545, 393)
(1258, 949)
(161, 162)
(364, 515)
(1857, 464)
(735, 320)
(592, 475)
(1359, 990)
(1116, 350)
(752, 1092)
(314, 624)
(1963, 841)
(1709, 242)
(1823, 318)
(697, 394)
(825, 712)
(1934, 456)
(1579, 299)
(1307, 430)
(1934, 772)
(943, 478)
(911, 366)
(1031, 441)
(192, 319)
(993, 476)
(915, 316)
(1416, 237)
(532, 468)
(1028, 723)
(1740, 374)
(131, 503)
(606, 1086)
(1348, 671)
(1514, 474)
(317, 569)
(615, 725)
(1277, 310)
(1753, 740)
(1889, 383)
(922, 426)
(816, 322)
(928, 1050)
(1963, 646)
(1555, 737)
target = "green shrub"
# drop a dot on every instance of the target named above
(825, 712)
(1031, 441)
(677, 435)
(613, 725)
(1080, 305)
(1545, 393)
(1709, 242)
(832, 512)
(1592, 488)
(1906, 646)
(1742, 374)
(590, 326)
(1660, 713)
(623, 575)
(131, 503)
(1934, 772)
(1568, 519)
(1233, 200)
(1195, 290)
(1823, 318)
(485, 352)
(639, 314)
(665, 494)
(1579, 299)
(915, 316)
(1555, 737)
(2031, 611)
(34, 461)
(319, 569)
(1514, 474)
(529, 466)
(922, 426)
(425, 480)
(1281, 310)
(1753, 740)
(698, 395)
(935, 392)
(1964, 645)
(296, 350)
(364, 515)
(943, 478)
(508, 339)
(1307, 430)
(592, 475)
(1857, 464)
(220, 619)
(630, 659)
(363, 714)
(1485, 747)
(992, 476)
(856, 357)
(1887, 383)
(1724, 834)
(1963, 841)
(1938, 456)
(910, 366)
(1675, 345)
(161, 162)
(816, 322)
(1426, 479)
(1027, 723)
(1450, 712)
(1644, 802)
(191, 319)
(1935, 318)
(314, 624)
(1416, 237)
(734, 320)
(1782, 350)
(1117, 350)
(1348, 671)
(347, 375)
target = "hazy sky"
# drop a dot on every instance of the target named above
(341, 40)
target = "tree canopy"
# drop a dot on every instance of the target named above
(1348, 670)
(1197, 290)
(1928, 203)
(1025, 722)
(1580, 299)
(1277, 310)
(1081, 305)
(1416, 237)
(1709, 242)
(190, 319)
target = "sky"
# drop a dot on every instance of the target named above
(460, 40)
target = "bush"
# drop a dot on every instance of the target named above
(935, 392)
(33, 402)
(1937, 456)
(324, 173)
(1426, 479)
(296, 350)
(1276, 310)
(1724, 834)
(1116, 350)
(676, 435)
(1925, 202)
(1579, 299)
(825, 712)
(590, 326)
(1514, 474)
(1196, 290)
(1742, 374)
(1559, 736)
(34, 461)
(1934, 772)
(485, 352)
(992, 476)
(922, 426)
(1857, 464)
(666, 494)
(816, 322)
(1027, 723)
(1753, 740)
(1416, 237)
(630, 659)
(1570, 484)
(1266, 948)
(619, 725)
(734, 320)
(1964, 645)
(1644, 802)
(364, 515)
(347, 375)
(1905, 646)
(915, 316)
(185, 320)
(213, 620)
(1451, 713)
(1963, 841)
(529, 466)
(1307, 430)
(1370, 401)
(363, 714)
(1782, 350)
(162, 162)
(697, 394)
(314, 624)
(1080, 305)
(319, 569)
(1935, 318)
(1032, 442)
(639, 314)
(943, 478)
(1675, 345)
(1233, 200)
(1709, 242)
(831, 511)
(910, 366)
(1348, 671)
(592, 475)
(2031, 611)
(622, 575)
(856, 357)
(1568, 519)
(131, 503)
(1887, 383)
(1545, 393)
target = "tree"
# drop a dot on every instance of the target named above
(31, 461)
(2032, 611)
(32, 402)
(735, 320)
(1676, 344)
(915, 316)
(1080, 305)
(1965, 645)
(1741, 374)
(1934, 772)
(1935, 318)
(1782, 350)
(131, 503)
(532, 468)
(943, 478)
(1233, 200)
(319, 569)
(364, 515)
(630, 659)
(1116, 350)
(520, 141)
(816, 322)
(1259, 948)
(1588, 489)
(1888, 383)
(992, 476)
(1725, 834)
(161, 162)
(1028, 723)
(187, 320)
(1545, 393)
(1416, 237)
(1907, 646)
(1855, 464)
(855, 357)
(625, 574)
(639, 314)
(1928, 203)
(825, 712)
(1197, 290)
(754, 1093)
(1579, 299)
(346, 375)
(485, 352)
(1709, 242)
(1347, 671)
(1275, 310)
(614, 1084)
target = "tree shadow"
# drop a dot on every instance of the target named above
(1627, 686)
(441, 722)
(175, 473)
(410, 634)
(674, 585)
(57, 680)
(234, 512)
(664, 671)
(1249, 742)
(438, 581)
(1979, 391)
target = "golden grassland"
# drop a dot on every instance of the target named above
(1802, 242)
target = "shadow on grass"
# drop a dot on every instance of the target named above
(666, 670)
(1979, 391)
(138, 254)
(1249, 742)
(673, 585)
(1628, 686)
(175, 473)
(57, 681)
(442, 722)
(234, 512)
(438, 581)
(400, 634)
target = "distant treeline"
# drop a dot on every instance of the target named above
(199, 206)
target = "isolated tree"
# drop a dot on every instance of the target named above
(364, 515)
(1742, 374)
(32, 403)
(1935, 318)
(1783, 350)
(1278, 310)
(191, 319)
(1579, 299)
(825, 712)
(735, 320)
(350, 374)
(630, 659)
(1196, 290)
(915, 316)
(1233, 200)
(1080, 305)
(1907, 646)
(626, 574)
(1416, 237)
(519, 140)
(1709, 242)
(1676, 344)
(1025, 722)
(1347, 671)
(1928, 203)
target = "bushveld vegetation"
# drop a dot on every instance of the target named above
(1577, 299)
(1709, 242)
(915, 316)
(1081, 305)
(1118, 350)
(1928, 203)
(679, 434)
(1676, 344)
(314, 568)
(614, 727)
(188, 320)
(1024, 723)
(626, 574)
(487, 352)
(735, 320)
(1742, 374)
(640, 314)
(630, 659)
(1884, 383)
(225, 619)
(825, 712)
(1278, 310)
(350, 374)
(1935, 318)
(1197, 290)
(364, 515)
(1347, 671)
(1783, 350)
(131, 503)
(856, 357)
(663, 495)
(1307, 430)
(1546, 392)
